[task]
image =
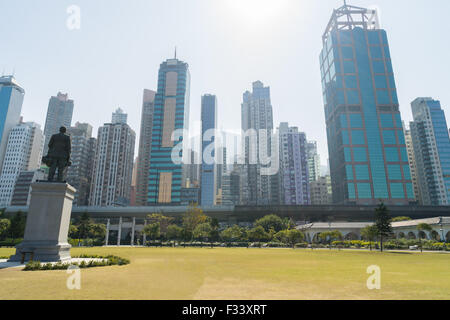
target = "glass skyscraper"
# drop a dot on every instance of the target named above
(171, 115)
(367, 150)
(208, 171)
(431, 142)
(11, 100)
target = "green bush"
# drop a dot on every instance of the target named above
(10, 242)
(108, 261)
(301, 245)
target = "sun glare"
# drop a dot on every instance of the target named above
(256, 11)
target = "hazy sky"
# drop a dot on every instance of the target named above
(227, 43)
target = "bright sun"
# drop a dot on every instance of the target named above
(256, 11)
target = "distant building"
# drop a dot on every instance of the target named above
(23, 153)
(208, 173)
(79, 174)
(59, 114)
(412, 163)
(313, 161)
(11, 100)
(22, 191)
(119, 117)
(190, 196)
(113, 167)
(294, 177)
(231, 187)
(321, 193)
(431, 143)
(145, 147)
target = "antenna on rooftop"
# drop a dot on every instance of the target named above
(175, 52)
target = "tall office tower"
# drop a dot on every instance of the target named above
(231, 181)
(133, 184)
(113, 166)
(22, 191)
(11, 100)
(119, 116)
(208, 171)
(59, 114)
(321, 193)
(145, 147)
(221, 166)
(171, 117)
(293, 166)
(412, 162)
(192, 168)
(23, 153)
(263, 189)
(79, 174)
(431, 143)
(313, 161)
(368, 158)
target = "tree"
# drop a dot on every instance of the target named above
(398, 219)
(330, 236)
(295, 236)
(191, 219)
(97, 231)
(369, 233)
(4, 226)
(383, 222)
(423, 227)
(174, 232)
(214, 234)
(202, 231)
(272, 222)
(232, 234)
(73, 231)
(164, 222)
(17, 227)
(84, 225)
(258, 234)
(152, 231)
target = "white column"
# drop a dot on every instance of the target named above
(132, 231)
(107, 232)
(119, 234)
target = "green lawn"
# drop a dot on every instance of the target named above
(221, 273)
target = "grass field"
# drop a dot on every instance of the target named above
(221, 273)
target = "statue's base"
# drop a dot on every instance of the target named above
(47, 225)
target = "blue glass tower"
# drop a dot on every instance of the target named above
(367, 150)
(11, 100)
(171, 117)
(431, 142)
(208, 171)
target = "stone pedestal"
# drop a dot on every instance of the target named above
(47, 226)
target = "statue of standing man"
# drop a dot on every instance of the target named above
(58, 157)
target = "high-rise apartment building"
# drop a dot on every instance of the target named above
(321, 193)
(412, 163)
(145, 147)
(294, 177)
(169, 139)
(119, 116)
(368, 157)
(22, 191)
(313, 161)
(11, 100)
(208, 173)
(431, 144)
(79, 174)
(59, 114)
(261, 183)
(23, 153)
(113, 166)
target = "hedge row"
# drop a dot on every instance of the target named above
(108, 261)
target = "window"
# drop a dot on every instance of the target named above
(349, 66)
(383, 97)
(358, 137)
(389, 137)
(364, 191)
(360, 154)
(351, 191)
(362, 172)
(386, 120)
(397, 191)
(391, 154)
(349, 171)
(394, 172)
(356, 121)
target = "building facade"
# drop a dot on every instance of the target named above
(170, 126)
(113, 166)
(22, 190)
(313, 161)
(321, 192)
(412, 163)
(11, 100)
(208, 171)
(79, 174)
(368, 157)
(431, 144)
(119, 116)
(257, 125)
(293, 166)
(23, 153)
(145, 147)
(59, 114)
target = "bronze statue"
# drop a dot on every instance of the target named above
(58, 157)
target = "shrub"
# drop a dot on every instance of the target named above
(107, 261)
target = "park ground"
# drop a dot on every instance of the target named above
(238, 273)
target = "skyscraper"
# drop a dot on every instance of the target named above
(169, 138)
(119, 116)
(320, 190)
(79, 174)
(294, 177)
(431, 143)
(257, 126)
(368, 158)
(145, 147)
(412, 162)
(208, 170)
(11, 100)
(59, 114)
(23, 153)
(313, 161)
(113, 167)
